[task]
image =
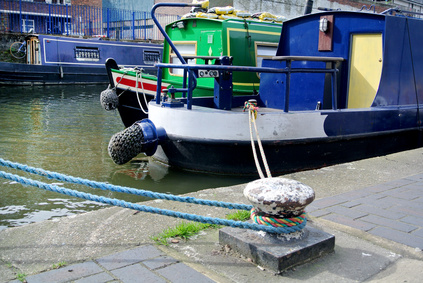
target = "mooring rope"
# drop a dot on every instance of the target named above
(120, 189)
(277, 222)
(252, 108)
(149, 209)
(123, 75)
(137, 73)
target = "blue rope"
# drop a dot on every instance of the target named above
(120, 189)
(176, 214)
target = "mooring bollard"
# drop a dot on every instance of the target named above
(278, 202)
(279, 197)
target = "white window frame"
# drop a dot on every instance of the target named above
(264, 50)
(27, 27)
(184, 48)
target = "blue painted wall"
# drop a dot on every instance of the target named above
(300, 37)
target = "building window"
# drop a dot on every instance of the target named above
(28, 25)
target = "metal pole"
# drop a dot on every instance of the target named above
(20, 16)
(67, 20)
(288, 81)
(108, 22)
(335, 87)
(133, 25)
(49, 18)
(159, 85)
(190, 84)
(145, 25)
(89, 22)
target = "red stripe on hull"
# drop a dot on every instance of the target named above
(146, 85)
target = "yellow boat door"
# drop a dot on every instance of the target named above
(365, 69)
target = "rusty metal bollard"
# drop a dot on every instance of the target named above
(278, 202)
(279, 197)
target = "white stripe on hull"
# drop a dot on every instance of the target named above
(212, 124)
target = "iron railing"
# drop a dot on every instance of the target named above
(76, 20)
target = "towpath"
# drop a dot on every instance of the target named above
(374, 208)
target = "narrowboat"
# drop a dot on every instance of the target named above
(199, 38)
(343, 86)
(67, 60)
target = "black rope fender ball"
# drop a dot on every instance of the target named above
(127, 144)
(109, 99)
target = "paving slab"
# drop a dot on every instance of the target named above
(66, 274)
(132, 273)
(129, 257)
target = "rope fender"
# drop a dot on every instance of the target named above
(176, 214)
(109, 99)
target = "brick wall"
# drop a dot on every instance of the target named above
(94, 3)
(173, 10)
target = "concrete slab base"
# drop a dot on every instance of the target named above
(278, 252)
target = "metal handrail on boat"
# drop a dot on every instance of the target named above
(166, 36)
(161, 29)
(289, 60)
(398, 10)
(288, 70)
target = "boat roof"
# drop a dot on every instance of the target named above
(229, 19)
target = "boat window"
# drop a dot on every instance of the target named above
(184, 48)
(151, 57)
(265, 50)
(87, 53)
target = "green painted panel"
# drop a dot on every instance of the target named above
(236, 38)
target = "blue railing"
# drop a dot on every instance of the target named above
(192, 71)
(75, 20)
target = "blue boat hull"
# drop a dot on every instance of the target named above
(67, 60)
(23, 74)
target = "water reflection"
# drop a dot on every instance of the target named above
(64, 129)
(167, 180)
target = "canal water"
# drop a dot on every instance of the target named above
(64, 129)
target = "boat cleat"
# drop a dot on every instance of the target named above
(172, 102)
